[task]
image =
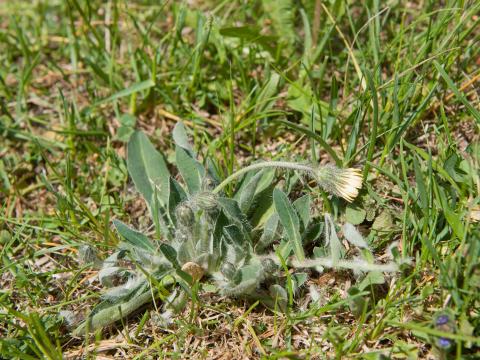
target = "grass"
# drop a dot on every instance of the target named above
(389, 87)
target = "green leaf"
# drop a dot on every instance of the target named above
(356, 301)
(170, 254)
(191, 170)
(147, 166)
(133, 237)
(251, 34)
(180, 137)
(372, 278)
(235, 241)
(456, 91)
(383, 222)
(232, 211)
(282, 13)
(355, 215)
(266, 98)
(176, 196)
(302, 206)
(299, 279)
(290, 222)
(336, 248)
(233, 234)
(314, 136)
(247, 193)
(421, 187)
(455, 221)
(137, 87)
(269, 232)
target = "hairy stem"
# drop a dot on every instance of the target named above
(360, 265)
(262, 165)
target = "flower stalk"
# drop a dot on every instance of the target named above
(341, 182)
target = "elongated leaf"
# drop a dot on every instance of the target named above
(176, 196)
(137, 87)
(290, 222)
(180, 137)
(336, 248)
(171, 254)
(147, 167)
(353, 236)
(234, 214)
(269, 232)
(251, 33)
(266, 98)
(133, 237)
(314, 136)
(191, 170)
(302, 206)
(421, 187)
(160, 216)
(279, 296)
(475, 113)
(234, 240)
(248, 192)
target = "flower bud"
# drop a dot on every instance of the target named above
(206, 200)
(184, 215)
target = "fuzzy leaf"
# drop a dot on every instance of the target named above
(290, 222)
(269, 232)
(232, 211)
(302, 205)
(146, 166)
(191, 170)
(336, 248)
(133, 237)
(247, 193)
(233, 233)
(299, 279)
(160, 216)
(353, 236)
(180, 137)
(185, 252)
(107, 275)
(253, 271)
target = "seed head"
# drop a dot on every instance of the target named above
(341, 182)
